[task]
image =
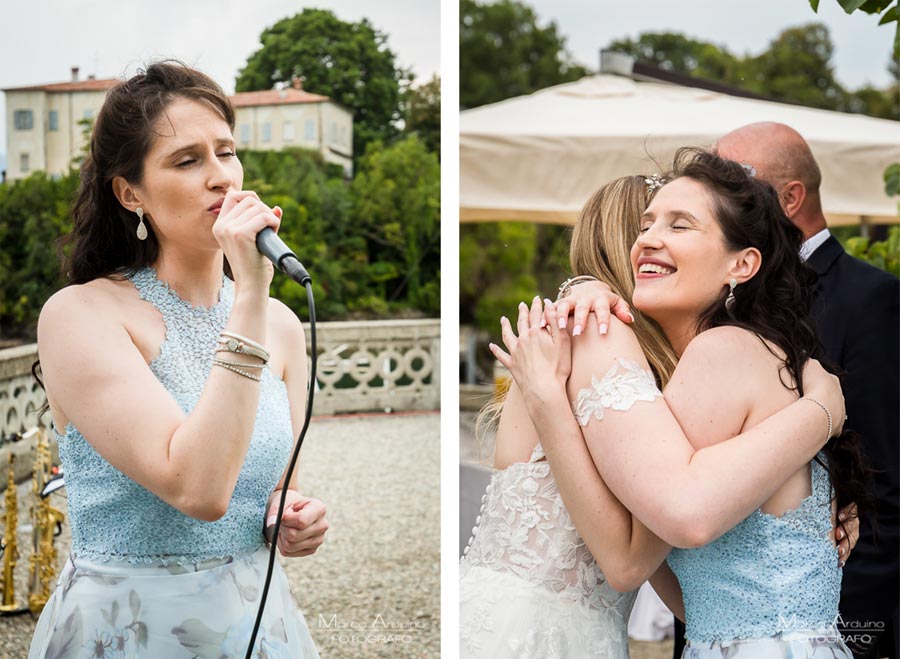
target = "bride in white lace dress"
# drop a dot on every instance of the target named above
(530, 586)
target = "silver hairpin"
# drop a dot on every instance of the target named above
(750, 169)
(654, 182)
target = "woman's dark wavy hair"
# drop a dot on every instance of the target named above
(103, 240)
(775, 303)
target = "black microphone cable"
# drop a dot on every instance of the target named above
(289, 264)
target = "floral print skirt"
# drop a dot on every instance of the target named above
(117, 610)
(824, 644)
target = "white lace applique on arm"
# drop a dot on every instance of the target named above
(624, 384)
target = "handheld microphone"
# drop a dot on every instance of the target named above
(274, 249)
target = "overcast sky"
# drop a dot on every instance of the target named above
(43, 39)
(862, 47)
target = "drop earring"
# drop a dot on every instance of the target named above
(729, 301)
(141, 228)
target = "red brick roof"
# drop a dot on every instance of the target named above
(287, 96)
(89, 85)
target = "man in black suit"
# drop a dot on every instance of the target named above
(857, 314)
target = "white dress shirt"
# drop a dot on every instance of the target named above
(813, 243)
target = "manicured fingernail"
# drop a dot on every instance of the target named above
(562, 322)
(840, 551)
(271, 520)
(577, 330)
(631, 315)
(548, 302)
(603, 328)
(503, 319)
(543, 323)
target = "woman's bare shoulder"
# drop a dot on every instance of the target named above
(92, 304)
(727, 347)
(284, 320)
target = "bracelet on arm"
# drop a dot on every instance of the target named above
(241, 345)
(235, 369)
(566, 287)
(223, 362)
(827, 413)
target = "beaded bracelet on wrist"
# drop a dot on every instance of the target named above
(239, 371)
(827, 413)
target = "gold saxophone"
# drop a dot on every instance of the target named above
(10, 543)
(45, 522)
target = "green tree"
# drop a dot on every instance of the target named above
(34, 214)
(503, 52)
(349, 62)
(422, 113)
(397, 210)
(316, 205)
(797, 67)
(888, 9)
(676, 52)
(504, 263)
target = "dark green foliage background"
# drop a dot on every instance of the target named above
(371, 244)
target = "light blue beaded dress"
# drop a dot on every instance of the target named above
(767, 588)
(145, 580)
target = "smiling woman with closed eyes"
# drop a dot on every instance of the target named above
(176, 392)
(587, 426)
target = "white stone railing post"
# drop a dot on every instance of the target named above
(20, 395)
(378, 365)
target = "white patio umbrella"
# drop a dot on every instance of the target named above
(539, 157)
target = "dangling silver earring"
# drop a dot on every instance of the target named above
(141, 228)
(729, 301)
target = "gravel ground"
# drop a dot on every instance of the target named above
(373, 588)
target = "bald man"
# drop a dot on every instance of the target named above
(857, 314)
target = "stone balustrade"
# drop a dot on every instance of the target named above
(382, 365)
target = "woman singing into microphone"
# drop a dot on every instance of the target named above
(176, 387)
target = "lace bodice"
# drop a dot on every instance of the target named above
(524, 529)
(113, 517)
(766, 576)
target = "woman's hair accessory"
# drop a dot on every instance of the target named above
(750, 169)
(654, 182)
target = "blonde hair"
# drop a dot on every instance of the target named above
(605, 230)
